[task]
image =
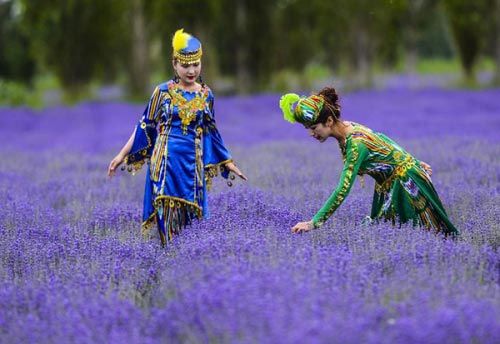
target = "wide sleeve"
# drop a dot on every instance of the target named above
(356, 152)
(215, 153)
(145, 134)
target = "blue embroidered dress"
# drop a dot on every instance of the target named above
(179, 140)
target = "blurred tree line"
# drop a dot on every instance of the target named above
(251, 43)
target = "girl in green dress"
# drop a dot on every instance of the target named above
(403, 189)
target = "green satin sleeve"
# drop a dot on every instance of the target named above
(356, 152)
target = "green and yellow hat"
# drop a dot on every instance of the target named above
(306, 111)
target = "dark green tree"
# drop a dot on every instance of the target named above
(77, 39)
(492, 40)
(356, 31)
(16, 60)
(469, 27)
(194, 16)
(411, 17)
(138, 46)
(244, 39)
(297, 31)
(495, 30)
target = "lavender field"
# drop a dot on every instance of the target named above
(75, 269)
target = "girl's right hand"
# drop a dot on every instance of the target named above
(114, 164)
(303, 227)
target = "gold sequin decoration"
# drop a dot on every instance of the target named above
(188, 109)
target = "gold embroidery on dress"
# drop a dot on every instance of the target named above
(188, 108)
(404, 163)
(199, 156)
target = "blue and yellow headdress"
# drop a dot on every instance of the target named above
(306, 111)
(186, 48)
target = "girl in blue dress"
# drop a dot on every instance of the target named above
(178, 139)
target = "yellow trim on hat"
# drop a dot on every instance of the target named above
(188, 58)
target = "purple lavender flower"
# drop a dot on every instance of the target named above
(74, 267)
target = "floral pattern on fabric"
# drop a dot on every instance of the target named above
(403, 190)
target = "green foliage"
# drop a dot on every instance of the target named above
(285, 80)
(77, 39)
(14, 93)
(308, 78)
(438, 66)
(450, 66)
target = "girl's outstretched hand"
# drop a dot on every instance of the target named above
(303, 227)
(233, 168)
(427, 168)
(114, 164)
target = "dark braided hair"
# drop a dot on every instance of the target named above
(331, 107)
(200, 80)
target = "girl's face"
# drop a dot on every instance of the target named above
(320, 131)
(188, 73)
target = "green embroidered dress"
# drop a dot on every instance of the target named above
(403, 190)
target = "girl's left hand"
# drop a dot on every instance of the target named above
(303, 227)
(233, 168)
(427, 168)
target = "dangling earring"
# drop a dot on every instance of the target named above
(176, 78)
(200, 80)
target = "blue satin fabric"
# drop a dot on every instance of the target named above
(181, 144)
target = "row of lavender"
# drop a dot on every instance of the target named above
(101, 127)
(75, 269)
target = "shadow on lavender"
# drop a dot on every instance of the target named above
(75, 268)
